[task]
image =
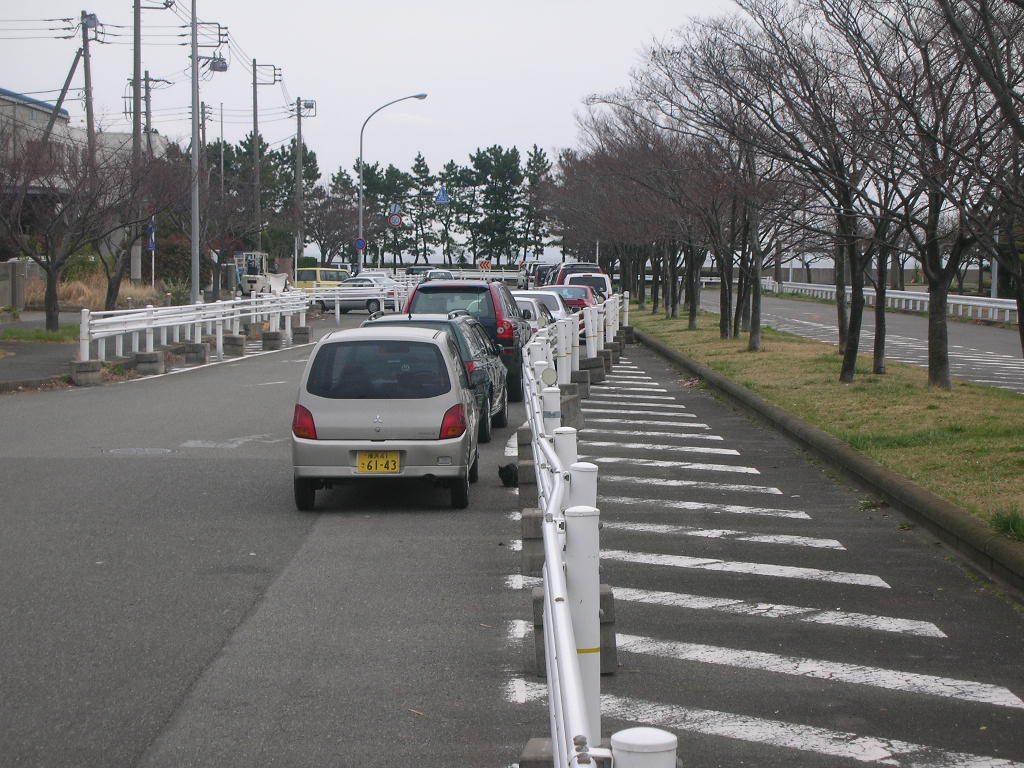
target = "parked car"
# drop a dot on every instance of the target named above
(527, 274)
(492, 304)
(383, 402)
(551, 299)
(576, 296)
(438, 274)
(536, 314)
(480, 356)
(557, 275)
(316, 277)
(598, 281)
(370, 304)
(418, 269)
(541, 275)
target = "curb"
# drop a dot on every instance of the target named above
(14, 386)
(996, 555)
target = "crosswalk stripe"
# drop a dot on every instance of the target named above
(660, 447)
(832, 618)
(855, 674)
(641, 433)
(697, 484)
(676, 424)
(755, 569)
(724, 533)
(704, 506)
(646, 412)
(623, 397)
(772, 733)
(588, 405)
(697, 466)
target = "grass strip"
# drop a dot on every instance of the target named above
(965, 445)
(65, 334)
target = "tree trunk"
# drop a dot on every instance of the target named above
(655, 286)
(114, 284)
(842, 310)
(50, 301)
(938, 337)
(1018, 294)
(754, 344)
(878, 362)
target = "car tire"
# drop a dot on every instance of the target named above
(372, 306)
(474, 471)
(500, 419)
(460, 491)
(323, 307)
(515, 386)
(305, 494)
(484, 431)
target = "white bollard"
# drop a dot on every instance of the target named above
(574, 343)
(582, 485)
(611, 314)
(563, 334)
(83, 336)
(644, 748)
(582, 582)
(288, 329)
(101, 349)
(625, 308)
(119, 346)
(565, 446)
(220, 338)
(551, 397)
(599, 326)
(150, 312)
(590, 332)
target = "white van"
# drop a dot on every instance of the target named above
(599, 282)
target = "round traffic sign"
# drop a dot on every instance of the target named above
(395, 220)
(360, 243)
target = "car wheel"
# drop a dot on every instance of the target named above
(500, 419)
(305, 494)
(323, 307)
(515, 386)
(474, 471)
(460, 491)
(372, 306)
(484, 432)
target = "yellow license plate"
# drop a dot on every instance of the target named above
(378, 462)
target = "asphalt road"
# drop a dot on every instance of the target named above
(983, 354)
(164, 604)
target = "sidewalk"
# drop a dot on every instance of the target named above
(27, 364)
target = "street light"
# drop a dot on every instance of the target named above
(419, 96)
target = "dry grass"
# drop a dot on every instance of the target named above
(964, 445)
(90, 293)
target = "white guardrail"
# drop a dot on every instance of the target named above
(957, 305)
(567, 497)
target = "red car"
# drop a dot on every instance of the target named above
(576, 296)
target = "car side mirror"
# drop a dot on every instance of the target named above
(527, 315)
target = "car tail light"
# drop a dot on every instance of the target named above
(302, 423)
(454, 422)
(505, 329)
(470, 366)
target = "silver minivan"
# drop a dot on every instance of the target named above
(384, 402)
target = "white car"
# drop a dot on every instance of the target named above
(534, 312)
(556, 304)
(599, 282)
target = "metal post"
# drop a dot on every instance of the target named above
(88, 22)
(582, 559)
(101, 349)
(565, 446)
(625, 308)
(552, 403)
(582, 485)
(611, 315)
(119, 346)
(150, 314)
(590, 330)
(599, 326)
(83, 336)
(565, 340)
(196, 149)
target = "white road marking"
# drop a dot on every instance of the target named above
(655, 407)
(624, 412)
(637, 386)
(625, 398)
(512, 445)
(666, 448)
(518, 629)
(699, 484)
(671, 464)
(772, 733)
(702, 506)
(725, 533)
(779, 611)
(270, 383)
(676, 424)
(233, 442)
(755, 569)
(628, 378)
(854, 674)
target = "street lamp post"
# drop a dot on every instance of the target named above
(419, 96)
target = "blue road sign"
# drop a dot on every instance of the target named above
(151, 232)
(360, 243)
(442, 197)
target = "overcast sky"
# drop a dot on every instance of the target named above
(508, 73)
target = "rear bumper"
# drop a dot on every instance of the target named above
(417, 458)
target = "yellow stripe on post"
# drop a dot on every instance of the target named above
(588, 650)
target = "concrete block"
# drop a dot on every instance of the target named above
(524, 436)
(527, 484)
(594, 366)
(606, 356)
(197, 354)
(86, 373)
(234, 345)
(581, 379)
(616, 350)
(252, 331)
(531, 557)
(530, 524)
(609, 649)
(150, 363)
(607, 604)
(625, 335)
(536, 754)
(572, 413)
(273, 340)
(301, 334)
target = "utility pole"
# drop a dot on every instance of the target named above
(275, 78)
(89, 21)
(300, 235)
(137, 83)
(195, 157)
(149, 117)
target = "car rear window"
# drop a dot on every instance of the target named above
(478, 303)
(305, 274)
(597, 283)
(568, 292)
(377, 370)
(438, 325)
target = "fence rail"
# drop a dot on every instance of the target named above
(567, 497)
(957, 305)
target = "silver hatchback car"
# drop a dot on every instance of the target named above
(384, 402)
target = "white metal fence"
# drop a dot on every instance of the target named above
(567, 497)
(975, 307)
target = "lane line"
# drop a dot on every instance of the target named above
(641, 433)
(671, 464)
(704, 506)
(753, 569)
(659, 407)
(676, 424)
(772, 733)
(854, 674)
(625, 412)
(660, 447)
